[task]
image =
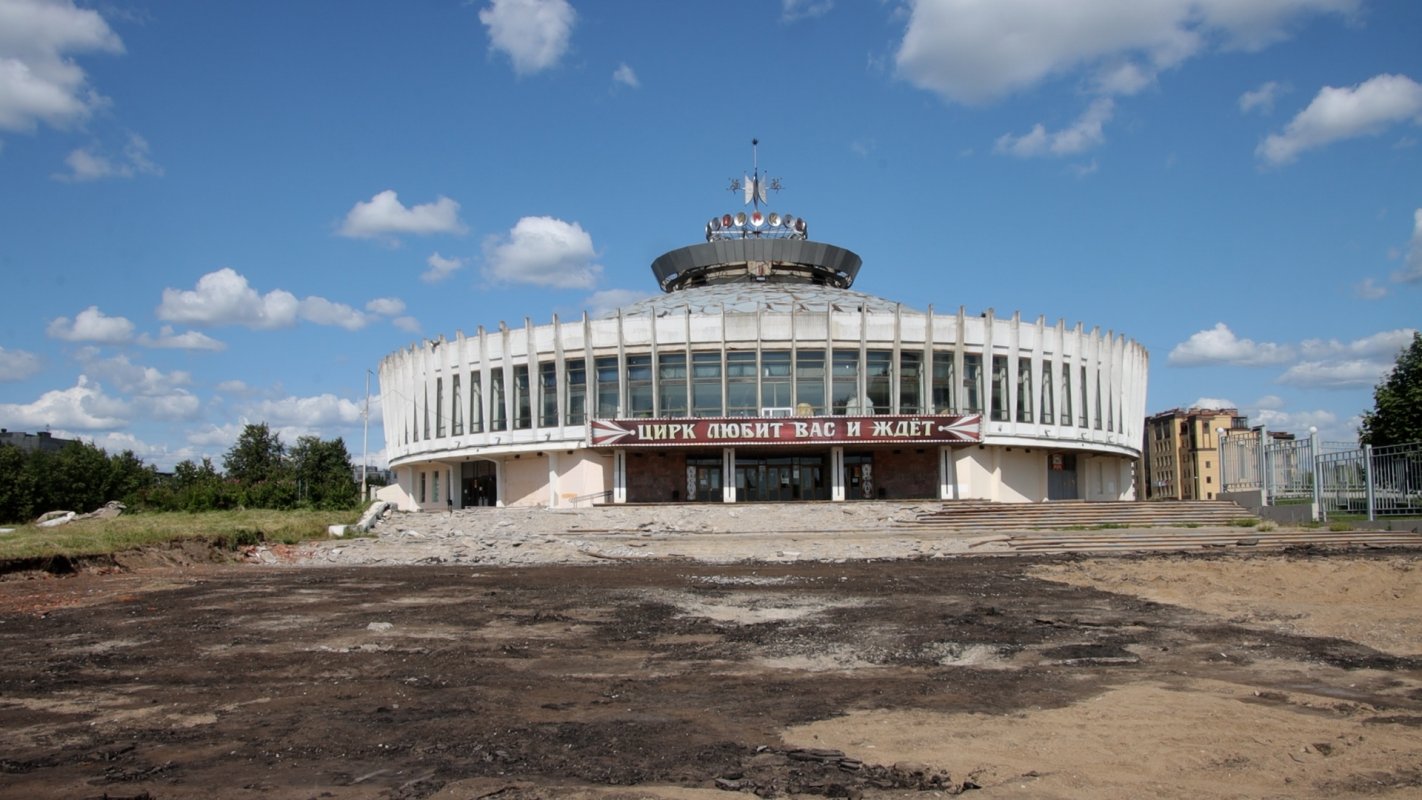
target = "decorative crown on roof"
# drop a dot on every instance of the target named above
(757, 224)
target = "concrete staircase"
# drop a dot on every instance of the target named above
(965, 516)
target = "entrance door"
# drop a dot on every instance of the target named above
(703, 479)
(1061, 477)
(478, 484)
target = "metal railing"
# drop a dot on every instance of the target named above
(1336, 479)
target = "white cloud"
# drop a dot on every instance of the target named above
(16, 365)
(1219, 345)
(968, 51)
(39, 80)
(534, 34)
(440, 268)
(1411, 271)
(1386, 344)
(90, 165)
(1345, 113)
(179, 404)
(1368, 289)
(328, 312)
(385, 215)
(224, 298)
(320, 411)
(1269, 401)
(91, 325)
(1347, 374)
(1083, 134)
(1261, 99)
(543, 251)
(407, 324)
(1298, 423)
(217, 437)
(167, 339)
(135, 379)
(386, 306)
(625, 76)
(233, 386)
(1213, 402)
(793, 10)
(82, 407)
(606, 302)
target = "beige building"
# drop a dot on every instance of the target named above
(1181, 452)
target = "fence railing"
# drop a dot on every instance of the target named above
(1336, 479)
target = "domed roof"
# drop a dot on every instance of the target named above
(749, 296)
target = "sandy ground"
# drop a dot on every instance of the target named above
(572, 665)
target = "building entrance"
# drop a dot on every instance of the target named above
(703, 479)
(478, 484)
(1061, 477)
(781, 478)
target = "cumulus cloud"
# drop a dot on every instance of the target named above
(794, 10)
(1385, 344)
(1219, 345)
(1411, 271)
(1083, 134)
(320, 411)
(132, 378)
(1345, 374)
(88, 164)
(91, 325)
(606, 302)
(39, 79)
(406, 324)
(1368, 289)
(167, 339)
(625, 76)
(82, 407)
(385, 216)
(233, 386)
(1213, 402)
(968, 51)
(16, 365)
(543, 251)
(1348, 112)
(1261, 99)
(1298, 423)
(386, 306)
(534, 34)
(440, 268)
(225, 298)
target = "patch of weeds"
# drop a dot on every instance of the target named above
(1266, 525)
(1339, 527)
(1244, 522)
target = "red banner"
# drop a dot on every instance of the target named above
(728, 431)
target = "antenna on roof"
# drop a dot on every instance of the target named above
(754, 185)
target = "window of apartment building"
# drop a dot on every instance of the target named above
(575, 383)
(706, 385)
(775, 389)
(548, 394)
(910, 383)
(741, 396)
(671, 378)
(1048, 370)
(999, 388)
(810, 382)
(639, 386)
(878, 381)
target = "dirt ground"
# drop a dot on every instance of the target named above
(1283, 674)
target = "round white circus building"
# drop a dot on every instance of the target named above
(760, 375)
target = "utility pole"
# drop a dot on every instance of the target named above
(365, 438)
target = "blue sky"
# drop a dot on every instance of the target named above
(226, 212)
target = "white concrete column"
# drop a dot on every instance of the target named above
(947, 474)
(552, 479)
(619, 476)
(499, 488)
(837, 474)
(728, 473)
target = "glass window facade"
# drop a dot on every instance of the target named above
(522, 400)
(879, 381)
(706, 385)
(844, 383)
(972, 398)
(458, 406)
(809, 383)
(999, 388)
(944, 396)
(476, 405)
(498, 415)
(609, 404)
(1024, 390)
(548, 394)
(911, 383)
(575, 379)
(775, 374)
(742, 399)
(639, 386)
(671, 384)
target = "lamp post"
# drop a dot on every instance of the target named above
(365, 438)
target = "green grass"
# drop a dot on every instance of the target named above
(1244, 522)
(228, 529)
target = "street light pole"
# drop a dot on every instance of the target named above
(365, 438)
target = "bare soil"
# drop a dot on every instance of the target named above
(1294, 674)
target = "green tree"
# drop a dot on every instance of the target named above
(16, 496)
(323, 473)
(1396, 417)
(256, 456)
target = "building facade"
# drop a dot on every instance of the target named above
(1181, 456)
(760, 375)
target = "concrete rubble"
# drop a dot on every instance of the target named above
(701, 533)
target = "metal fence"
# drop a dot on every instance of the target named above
(1335, 478)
